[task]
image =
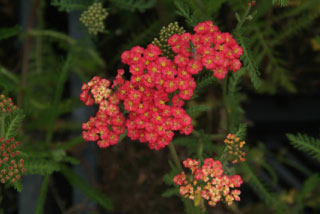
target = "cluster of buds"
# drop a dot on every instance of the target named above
(94, 17)
(155, 94)
(164, 35)
(208, 182)
(208, 47)
(6, 105)
(109, 122)
(11, 166)
(234, 146)
(252, 3)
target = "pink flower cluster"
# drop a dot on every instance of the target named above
(213, 49)
(154, 96)
(209, 182)
(109, 121)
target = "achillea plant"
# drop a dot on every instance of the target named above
(154, 97)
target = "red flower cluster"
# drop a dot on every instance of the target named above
(208, 182)
(11, 166)
(6, 105)
(109, 121)
(154, 95)
(212, 49)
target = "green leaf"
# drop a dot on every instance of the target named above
(306, 144)
(133, 5)
(309, 185)
(14, 122)
(249, 62)
(171, 192)
(40, 166)
(71, 5)
(89, 191)
(262, 191)
(9, 32)
(280, 2)
(195, 110)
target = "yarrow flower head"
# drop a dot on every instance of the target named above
(152, 100)
(235, 148)
(208, 182)
(11, 165)
(208, 47)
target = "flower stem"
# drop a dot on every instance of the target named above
(175, 157)
(242, 20)
(2, 129)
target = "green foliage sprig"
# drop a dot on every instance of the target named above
(305, 143)
(133, 5)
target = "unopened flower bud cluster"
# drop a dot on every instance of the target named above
(164, 35)
(11, 165)
(208, 182)
(6, 105)
(94, 17)
(235, 147)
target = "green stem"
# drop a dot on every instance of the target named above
(175, 157)
(176, 161)
(200, 149)
(2, 130)
(242, 20)
(43, 195)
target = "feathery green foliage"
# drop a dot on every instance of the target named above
(310, 184)
(306, 144)
(203, 82)
(13, 122)
(280, 2)
(57, 97)
(171, 192)
(89, 191)
(71, 5)
(262, 191)
(43, 195)
(41, 166)
(184, 10)
(249, 62)
(9, 32)
(133, 5)
(195, 110)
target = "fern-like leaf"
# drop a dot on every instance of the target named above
(184, 10)
(308, 186)
(306, 144)
(133, 5)
(9, 32)
(195, 110)
(13, 123)
(71, 5)
(41, 167)
(171, 192)
(89, 191)
(297, 25)
(262, 191)
(280, 2)
(249, 61)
